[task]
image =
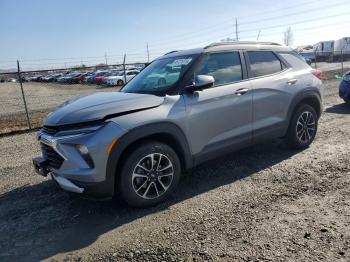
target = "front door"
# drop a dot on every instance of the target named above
(220, 116)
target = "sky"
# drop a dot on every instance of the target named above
(62, 33)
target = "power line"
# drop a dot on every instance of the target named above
(269, 11)
(191, 36)
(269, 27)
(211, 39)
(226, 27)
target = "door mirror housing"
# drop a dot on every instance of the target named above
(201, 82)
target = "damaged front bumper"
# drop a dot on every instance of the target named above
(41, 167)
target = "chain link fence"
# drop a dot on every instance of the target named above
(40, 98)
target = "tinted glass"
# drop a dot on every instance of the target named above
(224, 67)
(264, 63)
(160, 76)
(295, 59)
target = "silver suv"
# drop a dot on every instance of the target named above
(184, 108)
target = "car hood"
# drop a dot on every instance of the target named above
(99, 106)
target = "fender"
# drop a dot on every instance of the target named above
(312, 93)
(145, 131)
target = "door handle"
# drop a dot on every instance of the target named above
(292, 81)
(241, 91)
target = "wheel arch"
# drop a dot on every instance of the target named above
(310, 97)
(166, 132)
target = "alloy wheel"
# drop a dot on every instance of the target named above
(152, 176)
(306, 126)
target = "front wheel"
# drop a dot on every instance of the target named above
(149, 175)
(120, 83)
(303, 127)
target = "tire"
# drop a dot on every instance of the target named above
(120, 82)
(302, 128)
(140, 187)
(347, 101)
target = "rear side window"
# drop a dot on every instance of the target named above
(264, 63)
(224, 67)
(295, 60)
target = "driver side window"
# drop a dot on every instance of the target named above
(224, 67)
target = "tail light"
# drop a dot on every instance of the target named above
(317, 73)
(346, 77)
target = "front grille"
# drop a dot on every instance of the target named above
(50, 130)
(52, 158)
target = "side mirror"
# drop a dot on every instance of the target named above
(201, 82)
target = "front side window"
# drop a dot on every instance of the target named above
(264, 63)
(160, 76)
(224, 67)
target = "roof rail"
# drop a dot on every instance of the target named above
(171, 52)
(241, 43)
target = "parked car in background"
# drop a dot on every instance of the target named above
(119, 79)
(54, 77)
(344, 88)
(215, 99)
(92, 78)
(51, 77)
(309, 56)
(80, 79)
(111, 79)
(68, 78)
(74, 78)
(99, 79)
(35, 78)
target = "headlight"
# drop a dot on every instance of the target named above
(81, 129)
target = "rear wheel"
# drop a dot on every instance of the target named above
(120, 82)
(149, 174)
(303, 127)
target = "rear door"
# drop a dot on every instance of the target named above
(220, 116)
(272, 92)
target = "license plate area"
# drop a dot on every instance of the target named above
(40, 166)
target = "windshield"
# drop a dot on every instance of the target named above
(160, 76)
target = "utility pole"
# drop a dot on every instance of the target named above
(237, 30)
(147, 52)
(106, 59)
(257, 39)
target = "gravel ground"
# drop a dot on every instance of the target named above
(265, 203)
(41, 98)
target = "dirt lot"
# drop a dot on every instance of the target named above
(265, 203)
(41, 98)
